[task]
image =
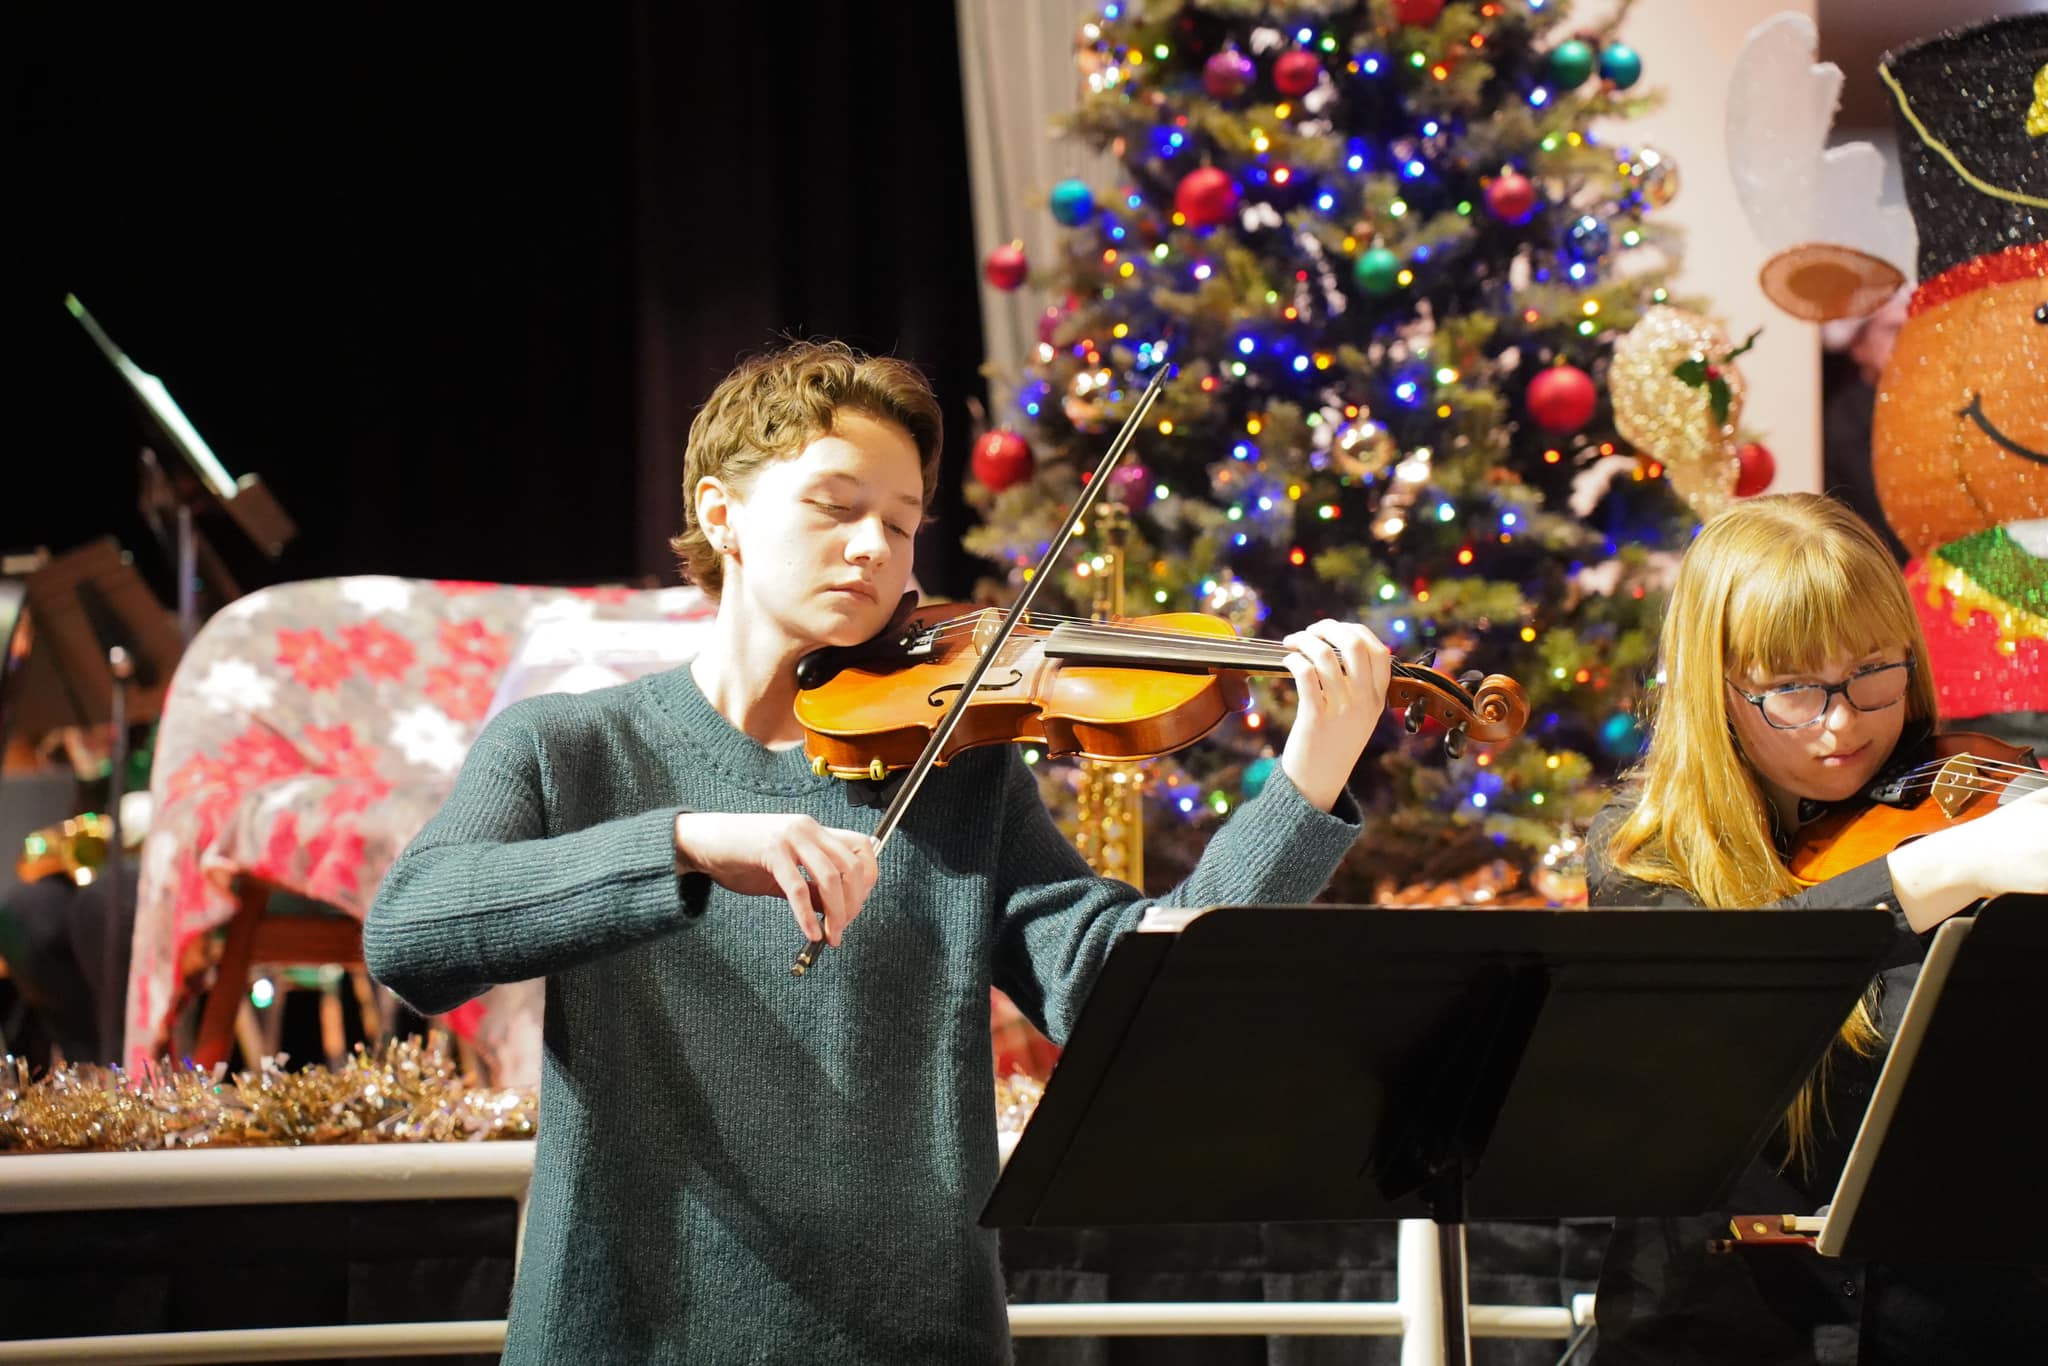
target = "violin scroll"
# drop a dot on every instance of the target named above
(1490, 707)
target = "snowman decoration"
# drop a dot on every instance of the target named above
(1959, 447)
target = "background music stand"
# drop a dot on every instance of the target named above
(15, 640)
(1364, 1063)
(206, 483)
(78, 606)
(1949, 1107)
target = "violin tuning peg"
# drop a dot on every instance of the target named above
(1454, 742)
(1412, 717)
(1425, 660)
(1471, 679)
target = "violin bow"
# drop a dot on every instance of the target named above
(915, 775)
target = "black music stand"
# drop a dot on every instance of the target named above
(16, 638)
(202, 484)
(1950, 1106)
(79, 606)
(1363, 1063)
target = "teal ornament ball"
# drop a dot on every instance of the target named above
(1620, 65)
(1256, 773)
(1621, 736)
(1073, 203)
(1378, 271)
(1571, 62)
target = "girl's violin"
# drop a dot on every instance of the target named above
(1968, 775)
(1134, 688)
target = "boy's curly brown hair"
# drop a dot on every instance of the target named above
(777, 403)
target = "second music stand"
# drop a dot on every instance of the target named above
(1362, 1063)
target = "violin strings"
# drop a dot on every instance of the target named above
(2023, 778)
(1261, 651)
(1931, 772)
(1263, 655)
(966, 626)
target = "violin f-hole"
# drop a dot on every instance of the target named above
(937, 696)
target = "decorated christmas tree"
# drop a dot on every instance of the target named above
(1389, 258)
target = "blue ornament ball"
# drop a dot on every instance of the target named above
(1621, 736)
(1256, 773)
(1073, 203)
(1620, 65)
(1587, 240)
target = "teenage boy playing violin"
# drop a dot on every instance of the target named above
(1794, 674)
(733, 1163)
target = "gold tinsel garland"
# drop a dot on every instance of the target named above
(1017, 1096)
(406, 1092)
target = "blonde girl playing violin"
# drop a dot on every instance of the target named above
(735, 1164)
(1794, 674)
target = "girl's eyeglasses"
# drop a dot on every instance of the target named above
(1801, 704)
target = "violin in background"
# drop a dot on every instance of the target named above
(1969, 775)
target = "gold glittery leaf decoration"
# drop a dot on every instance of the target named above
(1664, 416)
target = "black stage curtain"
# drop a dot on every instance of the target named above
(454, 278)
(802, 170)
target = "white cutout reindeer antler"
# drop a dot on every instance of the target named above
(1839, 252)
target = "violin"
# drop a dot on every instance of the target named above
(1132, 688)
(1969, 775)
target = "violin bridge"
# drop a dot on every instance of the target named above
(1959, 780)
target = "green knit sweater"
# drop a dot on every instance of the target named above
(736, 1165)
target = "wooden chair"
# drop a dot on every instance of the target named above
(306, 936)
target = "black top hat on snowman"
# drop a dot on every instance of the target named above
(1971, 106)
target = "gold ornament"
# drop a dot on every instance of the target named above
(1656, 176)
(1236, 601)
(1362, 450)
(1390, 518)
(1671, 419)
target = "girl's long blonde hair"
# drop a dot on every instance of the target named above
(1778, 584)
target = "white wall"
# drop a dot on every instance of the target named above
(1688, 48)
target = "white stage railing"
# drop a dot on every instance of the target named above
(49, 1182)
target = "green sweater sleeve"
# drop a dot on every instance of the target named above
(1058, 921)
(485, 894)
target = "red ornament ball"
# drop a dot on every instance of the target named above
(1296, 72)
(1006, 266)
(1049, 323)
(1511, 197)
(1755, 469)
(1419, 13)
(1226, 75)
(1562, 398)
(1205, 197)
(1131, 485)
(1001, 458)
